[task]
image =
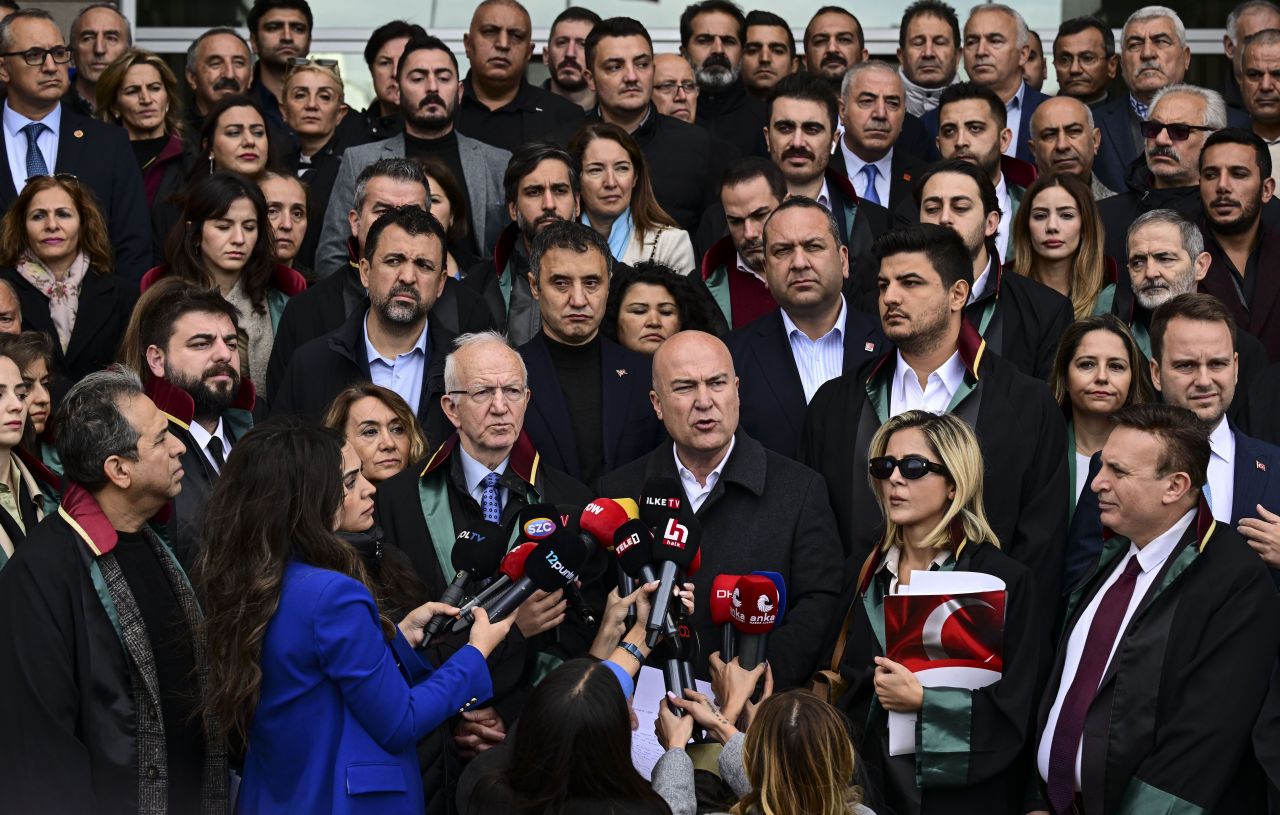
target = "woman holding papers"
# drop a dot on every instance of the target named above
(943, 724)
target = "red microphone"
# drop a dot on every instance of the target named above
(600, 519)
(510, 571)
(721, 599)
(754, 612)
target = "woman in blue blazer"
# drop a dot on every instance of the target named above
(325, 696)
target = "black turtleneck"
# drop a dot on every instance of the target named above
(146, 150)
(578, 369)
(443, 149)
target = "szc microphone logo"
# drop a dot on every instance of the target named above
(539, 528)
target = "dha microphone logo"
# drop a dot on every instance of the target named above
(676, 534)
(539, 528)
(725, 594)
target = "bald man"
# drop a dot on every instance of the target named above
(675, 92)
(1064, 140)
(756, 509)
(499, 106)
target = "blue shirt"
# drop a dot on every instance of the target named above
(1014, 123)
(820, 360)
(402, 374)
(15, 142)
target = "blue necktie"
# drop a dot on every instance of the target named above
(489, 503)
(871, 195)
(35, 159)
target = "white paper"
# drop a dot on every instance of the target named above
(651, 691)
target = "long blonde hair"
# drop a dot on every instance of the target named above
(1087, 267)
(799, 759)
(954, 442)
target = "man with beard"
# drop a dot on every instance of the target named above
(1235, 182)
(1260, 87)
(1085, 59)
(929, 52)
(99, 34)
(188, 337)
(391, 343)
(219, 64)
(711, 36)
(541, 186)
(499, 106)
(430, 93)
(565, 56)
(832, 42)
(279, 30)
(675, 93)
(733, 268)
(1064, 140)
(942, 365)
(1019, 319)
(1170, 176)
(768, 53)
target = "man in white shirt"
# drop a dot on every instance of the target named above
(873, 109)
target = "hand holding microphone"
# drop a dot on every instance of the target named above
(675, 546)
(511, 570)
(754, 611)
(477, 553)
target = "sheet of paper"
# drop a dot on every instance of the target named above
(651, 690)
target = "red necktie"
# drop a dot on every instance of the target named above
(1093, 664)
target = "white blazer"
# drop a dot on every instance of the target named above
(667, 245)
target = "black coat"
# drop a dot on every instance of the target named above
(1136, 196)
(770, 390)
(906, 166)
(318, 178)
(99, 155)
(736, 117)
(1020, 429)
(103, 312)
(1027, 323)
(630, 427)
(765, 512)
(534, 115)
(1260, 315)
(1172, 720)
(1262, 415)
(321, 368)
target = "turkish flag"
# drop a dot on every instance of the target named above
(925, 631)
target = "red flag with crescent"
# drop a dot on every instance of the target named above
(924, 631)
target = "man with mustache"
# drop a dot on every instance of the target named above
(391, 343)
(733, 267)
(996, 43)
(929, 53)
(541, 185)
(873, 110)
(711, 37)
(565, 56)
(1260, 88)
(189, 338)
(219, 63)
(1064, 140)
(279, 30)
(430, 93)
(1084, 56)
(1246, 19)
(1169, 178)
(768, 53)
(499, 106)
(832, 42)
(99, 34)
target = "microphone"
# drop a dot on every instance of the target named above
(677, 672)
(600, 519)
(537, 521)
(754, 610)
(721, 598)
(511, 570)
(632, 508)
(675, 551)
(477, 552)
(780, 582)
(553, 564)
(632, 546)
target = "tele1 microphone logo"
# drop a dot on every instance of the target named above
(675, 535)
(538, 528)
(631, 540)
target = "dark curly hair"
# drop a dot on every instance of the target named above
(694, 303)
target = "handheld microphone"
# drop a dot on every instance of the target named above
(781, 583)
(477, 552)
(754, 611)
(511, 570)
(537, 521)
(674, 550)
(721, 599)
(552, 565)
(600, 519)
(633, 546)
(632, 508)
(677, 672)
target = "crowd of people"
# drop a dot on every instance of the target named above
(369, 460)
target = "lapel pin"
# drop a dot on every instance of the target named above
(621, 372)
(1260, 466)
(869, 347)
(79, 134)
(906, 176)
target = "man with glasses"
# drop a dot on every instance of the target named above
(1085, 59)
(42, 137)
(675, 92)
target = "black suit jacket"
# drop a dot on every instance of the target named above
(765, 512)
(1028, 321)
(905, 166)
(630, 426)
(99, 155)
(770, 390)
(101, 316)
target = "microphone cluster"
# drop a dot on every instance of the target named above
(747, 607)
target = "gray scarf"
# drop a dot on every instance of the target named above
(921, 100)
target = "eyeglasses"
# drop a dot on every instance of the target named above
(1087, 58)
(484, 394)
(1177, 131)
(911, 467)
(302, 62)
(669, 88)
(35, 56)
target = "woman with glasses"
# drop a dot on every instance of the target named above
(380, 426)
(967, 757)
(618, 200)
(1058, 240)
(58, 257)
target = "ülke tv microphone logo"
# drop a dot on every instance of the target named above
(668, 503)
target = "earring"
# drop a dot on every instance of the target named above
(211, 164)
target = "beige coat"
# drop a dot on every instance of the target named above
(667, 245)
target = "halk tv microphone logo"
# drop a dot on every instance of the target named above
(675, 535)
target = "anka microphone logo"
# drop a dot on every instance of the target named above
(669, 503)
(736, 598)
(553, 560)
(675, 535)
(538, 528)
(764, 603)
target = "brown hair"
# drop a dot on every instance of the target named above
(1087, 278)
(1204, 308)
(94, 240)
(443, 177)
(112, 80)
(647, 213)
(339, 411)
(1140, 390)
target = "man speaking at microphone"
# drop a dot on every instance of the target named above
(757, 509)
(487, 470)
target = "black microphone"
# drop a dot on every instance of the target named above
(511, 570)
(567, 516)
(633, 546)
(677, 673)
(552, 565)
(477, 552)
(675, 544)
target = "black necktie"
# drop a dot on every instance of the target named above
(215, 450)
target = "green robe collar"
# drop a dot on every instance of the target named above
(972, 348)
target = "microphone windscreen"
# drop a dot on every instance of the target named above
(633, 546)
(479, 550)
(754, 607)
(781, 585)
(537, 521)
(632, 508)
(513, 564)
(675, 539)
(722, 597)
(601, 518)
(662, 498)
(556, 561)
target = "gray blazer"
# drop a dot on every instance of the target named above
(482, 165)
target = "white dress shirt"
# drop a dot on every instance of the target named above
(202, 437)
(698, 492)
(1006, 218)
(820, 360)
(1014, 109)
(893, 558)
(824, 195)
(980, 283)
(743, 267)
(16, 142)
(474, 474)
(855, 165)
(1082, 473)
(939, 387)
(1222, 471)
(1150, 558)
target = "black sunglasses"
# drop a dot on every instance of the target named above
(911, 467)
(1177, 131)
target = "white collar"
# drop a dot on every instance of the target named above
(714, 475)
(743, 267)
(1158, 551)
(980, 285)
(202, 436)
(854, 164)
(1222, 442)
(14, 121)
(837, 329)
(474, 473)
(1018, 97)
(951, 373)
(894, 556)
(824, 194)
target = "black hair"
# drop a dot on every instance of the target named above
(1078, 25)
(576, 14)
(526, 160)
(694, 305)
(387, 32)
(964, 91)
(1239, 135)
(261, 7)
(751, 168)
(412, 219)
(427, 43)
(1185, 437)
(807, 87)
(706, 7)
(761, 17)
(862, 40)
(986, 190)
(613, 27)
(570, 235)
(943, 247)
(928, 8)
